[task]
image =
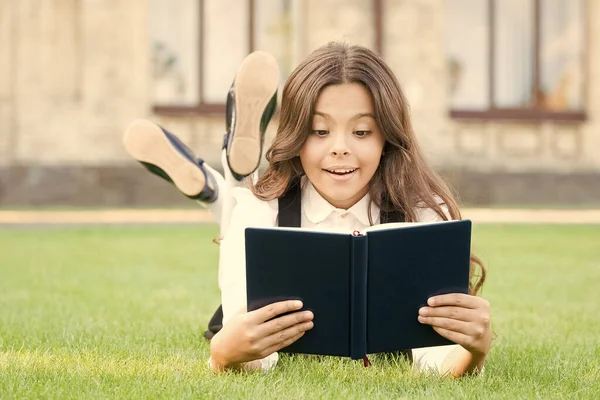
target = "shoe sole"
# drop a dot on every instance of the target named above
(256, 81)
(146, 142)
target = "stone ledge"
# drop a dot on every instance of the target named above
(132, 186)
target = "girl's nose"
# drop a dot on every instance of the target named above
(339, 145)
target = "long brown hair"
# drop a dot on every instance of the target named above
(404, 180)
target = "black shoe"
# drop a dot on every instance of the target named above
(163, 154)
(251, 102)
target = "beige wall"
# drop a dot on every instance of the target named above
(78, 72)
(74, 73)
(414, 48)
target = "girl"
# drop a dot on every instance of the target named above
(346, 138)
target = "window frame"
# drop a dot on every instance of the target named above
(534, 113)
(203, 108)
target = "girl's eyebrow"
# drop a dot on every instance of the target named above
(357, 116)
(322, 114)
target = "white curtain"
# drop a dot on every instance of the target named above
(513, 54)
(467, 46)
(274, 32)
(226, 44)
(173, 34)
(561, 54)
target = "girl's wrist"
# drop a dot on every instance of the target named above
(219, 366)
(219, 361)
(477, 362)
(216, 365)
(462, 361)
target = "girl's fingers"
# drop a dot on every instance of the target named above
(281, 323)
(273, 310)
(448, 324)
(458, 300)
(456, 337)
(281, 344)
(282, 337)
(458, 313)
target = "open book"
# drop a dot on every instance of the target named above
(366, 288)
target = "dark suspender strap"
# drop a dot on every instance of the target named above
(290, 211)
(388, 212)
(386, 217)
(215, 324)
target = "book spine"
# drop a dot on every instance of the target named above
(358, 296)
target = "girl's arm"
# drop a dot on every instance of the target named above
(462, 318)
(465, 320)
(461, 362)
(249, 340)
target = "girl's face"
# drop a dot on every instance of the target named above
(344, 148)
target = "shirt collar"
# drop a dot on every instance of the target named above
(317, 209)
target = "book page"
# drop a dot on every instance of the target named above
(396, 225)
(333, 231)
(374, 228)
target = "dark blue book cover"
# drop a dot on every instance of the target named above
(365, 290)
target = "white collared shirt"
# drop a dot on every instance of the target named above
(317, 213)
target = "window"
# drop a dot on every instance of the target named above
(516, 59)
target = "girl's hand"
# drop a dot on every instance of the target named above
(461, 318)
(259, 333)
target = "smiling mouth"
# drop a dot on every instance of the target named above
(341, 172)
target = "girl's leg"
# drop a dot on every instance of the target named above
(166, 156)
(226, 198)
(251, 102)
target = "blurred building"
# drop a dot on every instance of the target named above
(505, 94)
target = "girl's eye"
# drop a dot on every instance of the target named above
(319, 132)
(361, 133)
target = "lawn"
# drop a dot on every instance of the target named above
(117, 312)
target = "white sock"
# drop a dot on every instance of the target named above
(222, 208)
(215, 208)
(228, 200)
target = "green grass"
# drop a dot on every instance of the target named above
(537, 206)
(118, 313)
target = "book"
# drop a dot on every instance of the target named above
(365, 289)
